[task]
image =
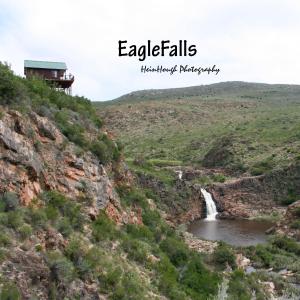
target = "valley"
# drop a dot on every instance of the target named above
(96, 199)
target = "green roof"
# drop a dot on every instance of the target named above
(35, 64)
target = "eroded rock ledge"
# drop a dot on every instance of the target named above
(34, 156)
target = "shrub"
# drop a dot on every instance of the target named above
(106, 149)
(223, 255)
(151, 218)
(10, 291)
(62, 269)
(264, 255)
(132, 196)
(37, 217)
(15, 219)
(111, 278)
(139, 232)
(219, 177)
(74, 132)
(52, 213)
(286, 244)
(103, 228)
(102, 152)
(262, 167)
(296, 224)
(129, 288)
(291, 198)
(25, 231)
(9, 201)
(64, 227)
(11, 88)
(76, 249)
(136, 249)
(176, 250)
(238, 288)
(297, 212)
(68, 209)
(2, 257)
(200, 283)
(4, 240)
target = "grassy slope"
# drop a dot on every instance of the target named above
(263, 121)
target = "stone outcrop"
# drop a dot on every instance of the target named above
(182, 202)
(290, 224)
(35, 156)
(256, 195)
(244, 197)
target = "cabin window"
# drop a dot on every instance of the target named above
(54, 73)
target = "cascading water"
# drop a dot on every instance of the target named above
(210, 206)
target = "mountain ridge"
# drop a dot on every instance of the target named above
(197, 90)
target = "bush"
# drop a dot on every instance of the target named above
(132, 196)
(111, 278)
(262, 167)
(297, 212)
(106, 149)
(67, 208)
(200, 283)
(37, 217)
(286, 244)
(139, 232)
(15, 219)
(25, 231)
(176, 250)
(4, 240)
(102, 152)
(103, 228)
(64, 227)
(264, 255)
(238, 288)
(136, 249)
(10, 291)
(291, 198)
(219, 177)
(11, 88)
(296, 224)
(223, 255)
(62, 269)
(129, 288)
(9, 201)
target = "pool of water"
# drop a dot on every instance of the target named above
(234, 232)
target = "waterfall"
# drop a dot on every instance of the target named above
(210, 206)
(180, 175)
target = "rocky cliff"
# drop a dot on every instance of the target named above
(35, 156)
(256, 195)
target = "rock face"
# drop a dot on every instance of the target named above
(252, 196)
(290, 224)
(35, 156)
(183, 202)
(244, 197)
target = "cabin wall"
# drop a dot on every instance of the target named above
(44, 73)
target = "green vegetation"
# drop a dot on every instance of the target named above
(245, 127)
(59, 236)
(224, 256)
(280, 253)
(153, 248)
(75, 116)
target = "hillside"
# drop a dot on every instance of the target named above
(76, 223)
(244, 127)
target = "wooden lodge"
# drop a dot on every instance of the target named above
(53, 72)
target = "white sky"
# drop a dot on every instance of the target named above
(257, 40)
